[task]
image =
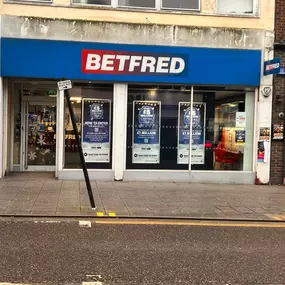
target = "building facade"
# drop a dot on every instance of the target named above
(277, 162)
(162, 90)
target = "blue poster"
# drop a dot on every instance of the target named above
(96, 130)
(198, 133)
(240, 136)
(146, 132)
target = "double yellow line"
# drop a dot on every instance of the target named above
(192, 223)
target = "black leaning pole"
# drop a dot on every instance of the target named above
(82, 159)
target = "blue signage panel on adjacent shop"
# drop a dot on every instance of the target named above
(272, 66)
(52, 59)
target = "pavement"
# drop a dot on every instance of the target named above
(41, 195)
(64, 253)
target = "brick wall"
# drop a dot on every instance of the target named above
(277, 150)
(280, 21)
(276, 175)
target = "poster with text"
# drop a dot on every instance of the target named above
(146, 132)
(240, 119)
(278, 132)
(240, 136)
(96, 127)
(198, 133)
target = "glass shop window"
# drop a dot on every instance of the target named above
(93, 108)
(158, 129)
(152, 126)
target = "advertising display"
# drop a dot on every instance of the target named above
(198, 133)
(278, 132)
(240, 136)
(240, 119)
(96, 128)
(146, 132)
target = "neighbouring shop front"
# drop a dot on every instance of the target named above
(143, 112)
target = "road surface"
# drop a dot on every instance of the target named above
(34, 252)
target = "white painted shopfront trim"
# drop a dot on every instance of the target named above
(219, 177)
(1, 126)
(60, 147)
(120, 99)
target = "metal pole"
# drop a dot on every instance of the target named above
(82, 159)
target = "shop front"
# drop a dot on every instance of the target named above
(143, 112)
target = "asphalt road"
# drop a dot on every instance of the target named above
(65, 253)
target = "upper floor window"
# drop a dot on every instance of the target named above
(137, 3)
(236, 6)
(148, 4)
(93, 2)
(181, 4)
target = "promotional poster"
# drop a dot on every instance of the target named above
(278, 132)
(96, 126)
(198, 133)
(240, 136)
(146, 132)
(260, 151)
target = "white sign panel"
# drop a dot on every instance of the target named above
(240, 120)
(64, 85)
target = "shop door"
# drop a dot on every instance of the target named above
(39, 136)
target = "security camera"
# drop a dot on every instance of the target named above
(281, 115)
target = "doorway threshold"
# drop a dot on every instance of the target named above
(31, 175)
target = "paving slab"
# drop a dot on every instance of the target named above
(43, 195)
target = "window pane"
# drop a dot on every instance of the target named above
(222, 138)
(137, 3)
(17, 124)
(152, 128)
(181, 4)
(96, 123)
(93, 2)
(235, 7)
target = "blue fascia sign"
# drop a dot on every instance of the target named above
(272, 66)
(110, 62)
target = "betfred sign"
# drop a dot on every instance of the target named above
(110, 62)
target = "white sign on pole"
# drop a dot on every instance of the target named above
(64, 85)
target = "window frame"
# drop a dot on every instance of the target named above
(255, 12)
(158, 6)
(117, 5)
(29, 1)
(179, 9)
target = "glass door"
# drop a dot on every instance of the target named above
(39, 149)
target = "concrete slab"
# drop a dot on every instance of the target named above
(46, 196)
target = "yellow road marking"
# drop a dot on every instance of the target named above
(112, 214)
(100, 214)
(193, 223)
(278, 218)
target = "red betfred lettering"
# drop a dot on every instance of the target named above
(100, 62)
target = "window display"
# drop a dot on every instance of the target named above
(146, 132)
(198, 133)
(153, 127)
(96, 130)
(41, 135)
(92, 106)
(160, 133)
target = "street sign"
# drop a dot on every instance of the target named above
(272, 66)
(64, 85)
(282, 71)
